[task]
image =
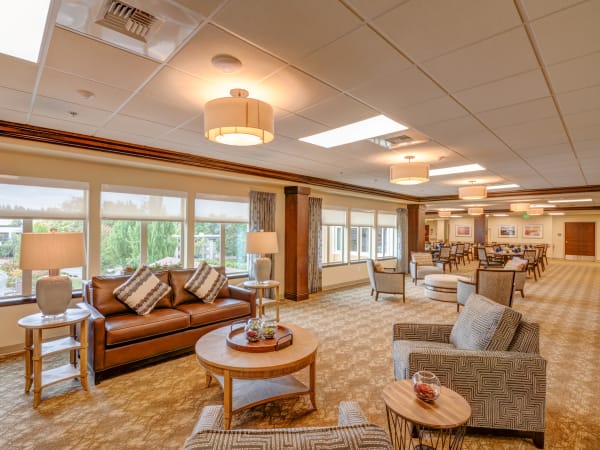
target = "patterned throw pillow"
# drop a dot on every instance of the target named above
(142, 291)
(484, 325)
(205, 283)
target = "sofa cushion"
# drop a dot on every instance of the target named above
(123, 328)
(348, 437)
(219, 310)
(205, 283)
(401, 350)
(142, 291)
(484, 325)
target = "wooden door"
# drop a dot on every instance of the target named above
(580, 240)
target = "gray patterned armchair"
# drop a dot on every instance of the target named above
(490, 356)
(353, 432)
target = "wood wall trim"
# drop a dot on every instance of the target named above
(67, 139)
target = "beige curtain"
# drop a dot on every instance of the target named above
(262, 218)
(402, 239)
(315, 265)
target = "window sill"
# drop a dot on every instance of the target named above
(29, 299)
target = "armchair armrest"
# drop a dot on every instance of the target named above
(211, 418)
(350, 413)
(464, 289)
(422, 332)
(246, 295)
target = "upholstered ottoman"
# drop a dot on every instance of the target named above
(441, 287)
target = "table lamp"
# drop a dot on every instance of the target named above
(52, 251)
(262, 243)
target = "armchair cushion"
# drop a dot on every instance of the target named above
(484, 325)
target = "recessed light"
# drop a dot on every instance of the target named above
(353, 132)
(22, 27)
(502, 186)
(573, 200)
(455, 169)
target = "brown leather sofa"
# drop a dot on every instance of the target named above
(118, 336)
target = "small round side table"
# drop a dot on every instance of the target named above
(260, 287)
(36, 350)
(439, 424)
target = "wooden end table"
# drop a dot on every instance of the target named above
(250, 379)
(260, 287)
(438, 424)
(36, 350)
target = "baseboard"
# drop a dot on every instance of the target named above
(11, 350)
(347, 284)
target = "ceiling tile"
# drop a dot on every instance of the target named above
(307, 25)
(538, 8)
(64, 86)
(534, 133)
(17, 74)
(392, 91)
(520, 113)
(337, 111)
(516, 89)
(307, 90)
(580, 100)
(575, 73)
(61, 124)
(424, 30)
(568, 33)
(97, 61)
(369, 8)
(295, 126)
(495, 58)
(128, 124)
(431, 111)
(355, 57)
(586, 149)
(13, 116)
(156, 109)
(58, 109)
(195, 58)
(540, 151)
(15, 100)
(205, 7)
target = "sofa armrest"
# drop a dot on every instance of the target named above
(246, 295)
(96, 337)
(422, 332)
(211, 418)
(350, 413)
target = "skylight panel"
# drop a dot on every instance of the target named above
(455, 169)
(357, 131)
(502, 186)
(22, 25)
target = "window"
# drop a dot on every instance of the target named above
(36, 205)
(386, 235)
(361, 234)
(140, 226)
(220, 233)
(334, 236)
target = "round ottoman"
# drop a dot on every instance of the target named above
(442, 287)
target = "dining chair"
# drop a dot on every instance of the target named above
(532, 263)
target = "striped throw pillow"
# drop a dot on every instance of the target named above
(142, 291)
(205, 283)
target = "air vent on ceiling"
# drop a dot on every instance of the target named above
(402, 139)
(411, 137)
(126, 19)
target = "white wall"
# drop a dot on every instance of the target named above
(558, 231)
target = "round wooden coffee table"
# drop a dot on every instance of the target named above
(438, 424)
(250, 379)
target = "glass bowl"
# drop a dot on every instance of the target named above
(426, 385)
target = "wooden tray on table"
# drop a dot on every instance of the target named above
(236, 339)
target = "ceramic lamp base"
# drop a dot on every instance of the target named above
(262, 269)
(53, 294)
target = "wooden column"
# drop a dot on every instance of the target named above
(296, 242)
(416, 228)
(479, 229)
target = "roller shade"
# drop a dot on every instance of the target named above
(333, 217)
(128, 203)
(385, 219)
(362, 218)
(221, 211)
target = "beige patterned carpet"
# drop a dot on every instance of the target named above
(156, 407)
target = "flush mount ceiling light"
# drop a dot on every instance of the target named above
(519, 207)
(444, 213)
(238, 120)
(475, 211)
(472, 192)
(409, 173)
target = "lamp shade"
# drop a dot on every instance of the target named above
(261, 242)
(47, 251)
(519, 207)
(475, 211)
(409, 173)
(472, 192)
(238, 120)
(535, 211)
